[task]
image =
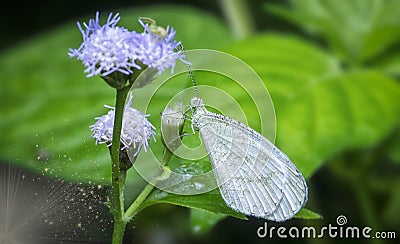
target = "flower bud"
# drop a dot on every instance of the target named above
(116, 79)
(172, 127)
(145, 78)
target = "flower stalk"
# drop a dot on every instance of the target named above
(118, 175)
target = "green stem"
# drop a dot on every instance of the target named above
(118, 175)
(238, 16)
(132, 210)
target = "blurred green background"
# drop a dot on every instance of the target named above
(332, 69)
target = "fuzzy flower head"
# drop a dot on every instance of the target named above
(157, 47)
(109, 48)
(105, 49)
(136, 129)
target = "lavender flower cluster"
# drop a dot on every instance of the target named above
(110, 48)
(136, 129)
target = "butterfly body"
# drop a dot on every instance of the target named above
(254, 176)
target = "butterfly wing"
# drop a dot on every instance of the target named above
(254, 177)
(295, 191)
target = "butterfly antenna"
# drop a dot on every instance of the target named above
(189, 69)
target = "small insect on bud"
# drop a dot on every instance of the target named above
(172, 127)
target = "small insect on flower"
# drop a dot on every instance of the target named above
(157, 47)
(136, 129)
(153, 27)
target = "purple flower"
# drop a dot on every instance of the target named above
(105, 49)
(136, 129)
(158, 51)
(109, 48)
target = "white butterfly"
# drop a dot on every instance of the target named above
(254, 177)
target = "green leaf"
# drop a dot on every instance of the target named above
(210, 201)
(202, 221)
(393, 147)
(388, 63)
(307, 214)
(47, 103)
(391, 213)
(207, 208)
(320, 110)
(356, 30)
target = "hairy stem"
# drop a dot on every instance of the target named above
(118, 175)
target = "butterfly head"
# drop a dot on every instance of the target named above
(198, 110)
(196, 103)
(197, 106)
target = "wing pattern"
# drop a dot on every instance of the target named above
(254, 177)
